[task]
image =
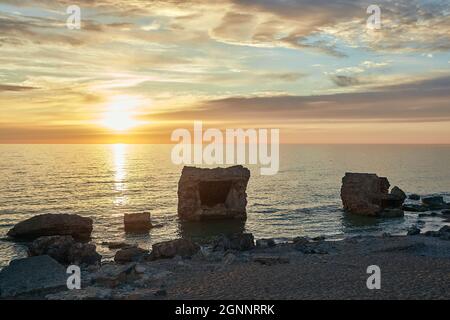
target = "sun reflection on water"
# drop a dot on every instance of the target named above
(120, 173)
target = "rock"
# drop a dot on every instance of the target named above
(414, 196)
(129, 254)
(270, 260)
(65, 250)
(301, 240)
(137, 222)
(172, 248)
(446, 212)
(228, 259)
(432, 234)
(444, 229)
(31, 276)
(112, 275)
(265, 243)
(367, 194)
(218, 193)
(89, 293)
(397, 192)
(80, 228)
(237, 241)
(116, 245)
(435, 203)
(310, 249)
(414, 208)
(413, 230)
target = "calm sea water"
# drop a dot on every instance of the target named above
(106, 181)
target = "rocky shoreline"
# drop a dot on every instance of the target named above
(237, 267)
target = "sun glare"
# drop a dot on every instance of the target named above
(120, 114)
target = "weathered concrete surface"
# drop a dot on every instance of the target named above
(367, 194)
(31, 275)
(218, 193)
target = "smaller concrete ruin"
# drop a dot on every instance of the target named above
(206, 194)
(368, 195)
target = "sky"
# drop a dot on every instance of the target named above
(137, 70)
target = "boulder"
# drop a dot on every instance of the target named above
(129, 254)
(435, 203)
(33, 275)
(172, 248)
(137, 222)
(239, 242)
(414, 196)
(65, 250)
(220, 193)
(78, 227)
(367, 194)
(413, 231)
(265, 243)
(113, 275)
(398, 193)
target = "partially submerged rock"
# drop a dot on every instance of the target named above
(78, 227)
(413, 230)
(172, 248)
(367, 194)
(435, 203)
(239, 242)
(218, 193)
(137, 222)
(65, 250)
(31, 276)
(265, 243)
(129, 254)
(414, 196)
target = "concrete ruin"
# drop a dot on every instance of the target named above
(368, 195)
(207, 194)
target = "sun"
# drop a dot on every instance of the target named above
(120, 114)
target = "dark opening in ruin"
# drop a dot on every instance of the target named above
(214, 192)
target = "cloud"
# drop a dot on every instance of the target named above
(344, 81)
(420, 101)
(15, 88)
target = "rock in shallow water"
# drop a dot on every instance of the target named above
(31, 275)
(435, 203)
(137, 222)
(413, 230)
(414, 196)
(80, 228)
(367, 194)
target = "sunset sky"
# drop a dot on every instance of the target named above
(137, 70)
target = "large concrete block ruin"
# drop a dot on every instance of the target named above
(206, 194)
(367, 194)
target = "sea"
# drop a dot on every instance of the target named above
(105, 182)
